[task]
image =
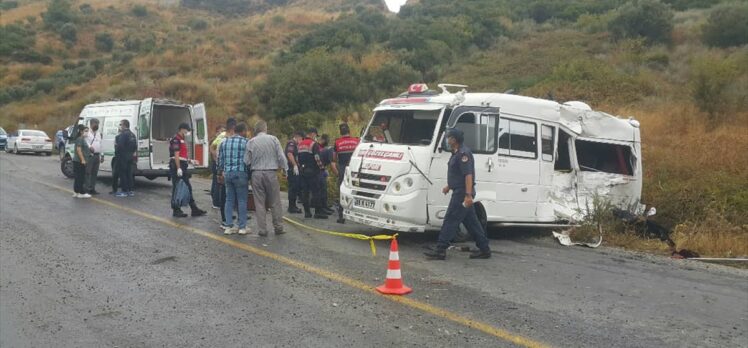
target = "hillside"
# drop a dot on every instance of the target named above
(679, 66)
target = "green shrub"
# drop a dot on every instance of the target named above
(197, 24)
(8, 5)
(682, 5)
(711, 76)
(132, 43)
(31, 74)
(85, 9)
(727, 26)
(139, 11)
(650, 19)
(104, 42)
(69, 33)
(15, 40)
(58, 13)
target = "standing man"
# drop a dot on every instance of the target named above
(178, 169)
(265, 156)
(60, 142)
(344, 147)
(231, 166)
(125, 145)
(294, 178)
(216, 146)
(92, 165)
(310, 167)
(215, 189)
(326, 157)
(461, 180)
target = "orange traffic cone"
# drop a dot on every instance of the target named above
(393, 285)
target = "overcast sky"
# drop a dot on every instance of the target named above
(394, 5)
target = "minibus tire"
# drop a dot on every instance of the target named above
(462, 233)
(66, 166)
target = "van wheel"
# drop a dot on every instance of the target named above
(151, 177)
(66, 166)
(462, 232)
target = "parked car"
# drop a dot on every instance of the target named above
(29, 140)
(3, 139)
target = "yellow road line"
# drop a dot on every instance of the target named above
(356, 284)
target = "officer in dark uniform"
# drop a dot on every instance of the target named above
(294, 178)
(461, 180)
(344, 147)
(178, 169)
(311, 167)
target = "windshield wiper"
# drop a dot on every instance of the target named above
(413, 163)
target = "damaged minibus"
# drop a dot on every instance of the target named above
(537, 162)
(154, 122)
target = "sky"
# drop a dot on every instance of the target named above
(394, 5)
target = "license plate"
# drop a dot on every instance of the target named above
(363, 203)
(38, 147)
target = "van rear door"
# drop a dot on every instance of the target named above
(200, 135)
(145, 150)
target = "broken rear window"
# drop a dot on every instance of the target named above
(604, 157)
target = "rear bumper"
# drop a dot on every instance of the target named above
(35, 147)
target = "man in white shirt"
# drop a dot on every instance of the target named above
(92, 165)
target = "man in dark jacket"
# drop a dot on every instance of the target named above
(125, 145)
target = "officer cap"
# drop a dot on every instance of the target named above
(185, 126)
(456, 134)
(312, 130)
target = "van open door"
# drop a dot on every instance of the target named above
(200, 135)
(145, 149)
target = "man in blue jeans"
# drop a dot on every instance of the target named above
(231, 166)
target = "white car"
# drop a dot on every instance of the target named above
(29, 140)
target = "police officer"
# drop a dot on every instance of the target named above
(310, 168)
(294, 179)
(461, 181)
(326, 155)
(178, 169)
(344, 147)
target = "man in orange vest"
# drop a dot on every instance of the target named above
(344, 147)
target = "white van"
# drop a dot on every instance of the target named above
(154, 122)
(537, 162)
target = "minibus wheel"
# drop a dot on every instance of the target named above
(462, 233)
(66, 166)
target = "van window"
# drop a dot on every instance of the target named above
(563, 159)
(547, 137)
(604, 157)
(518, 138)
(479, 130)
(144, 126)
(111, 127)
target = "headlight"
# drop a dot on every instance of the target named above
(397, 187)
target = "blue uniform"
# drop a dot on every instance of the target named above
(461, 164)
(294, 181)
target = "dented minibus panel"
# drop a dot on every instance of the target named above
(537, 162)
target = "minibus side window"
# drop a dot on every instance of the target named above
(547, 135)
(144, 126)
(563, 160)
(479, 131)
(518, 138)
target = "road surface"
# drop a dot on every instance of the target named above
(120, 272)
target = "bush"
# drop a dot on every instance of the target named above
(682, 5)
(8, 5)
(104, 42)
(709, 81)
(139, 11)
(15, 40)
(197, 24)
(86, 9)
(69, 33)
(650, 19)
(30, 74)
(58, 13)
(727, 26)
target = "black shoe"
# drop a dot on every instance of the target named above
(320, 216)
(341, 221)
(198, 212)
(307, 215)
(481, 254)
(294, 210)
(178, 213)
(437, 254)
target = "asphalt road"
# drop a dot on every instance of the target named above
(120, 272)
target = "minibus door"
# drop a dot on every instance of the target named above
(145, 149)
(200, 135)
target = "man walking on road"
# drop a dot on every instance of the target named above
(293, 178)
(125, 145)
(311, 165)
(178, 169)
(231, 166)
(461, 180)
(344, 147)
(265, 156)
(92, 165)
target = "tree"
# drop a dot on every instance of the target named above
(59, 12)
(15, 39)
(650, 19)
(727, 26)
(69, 33)
(104, 42)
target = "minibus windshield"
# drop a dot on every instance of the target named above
(404, 127)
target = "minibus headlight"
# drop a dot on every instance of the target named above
(397, 187)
